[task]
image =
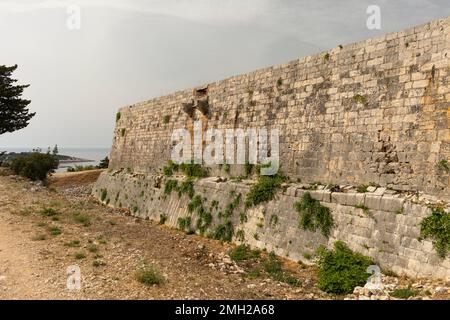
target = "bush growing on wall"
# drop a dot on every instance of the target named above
(313, 215)
(437, 227)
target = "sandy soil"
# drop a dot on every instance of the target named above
(33, 261)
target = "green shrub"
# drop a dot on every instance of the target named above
(194, 170)
(83, 219)
(79, 168)
(240, 235)
(403, 293)
(166, 119)
(443, 165)
(326, 57)
(313, 215)
(364, 208)
(341, 269)
(437, 227)
(224, 232)
(248, 167)
(195, 203)
(186, 187)
(35, 166)
(184, 224)
(80, 255)
(103, 194)
(273, 220)
(243, 252)
(54, 231)
(359, 98)
(149, 276)
(170, 168)
(72, 244)
(362, 188)
(49, 212)
(264, 190)
(162, 218)
(274, 268)
(122, 132)
(170, 186)
(118, 115)
(226, 168)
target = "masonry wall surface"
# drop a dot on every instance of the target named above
(374, 111)
(388, 233)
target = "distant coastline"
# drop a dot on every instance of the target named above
(69, 157)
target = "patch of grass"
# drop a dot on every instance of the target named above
(403, 293)
(170, 186)
(362, 188)
(103, 194)
(194, 170)
(82, 219)
(400, 211)
(162, 218)
(243, 252)
(274, 268)
(226, 168)
(54, 231)
(92, 248)
(359, 98)
(437, 227)
(49, 212)
(184, 224)
(73, 244)
(443, 165)
(224, 232)
(240, 235)
(170, 168)
(248, 168)
(273, 220)
(307, 255)
(186, 187)
(195, 204)
(341, 269)
(80, 255)
(313, 215)
(149, 276)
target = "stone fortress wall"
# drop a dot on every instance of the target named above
(373, 112)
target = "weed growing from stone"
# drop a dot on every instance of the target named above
(437, 227)
(313, 215)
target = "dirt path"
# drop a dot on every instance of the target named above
(109, 247)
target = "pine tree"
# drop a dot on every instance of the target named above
(14, 114)
(55, 150)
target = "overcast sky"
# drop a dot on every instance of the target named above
(132, 50)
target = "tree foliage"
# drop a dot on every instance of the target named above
(14, 114)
